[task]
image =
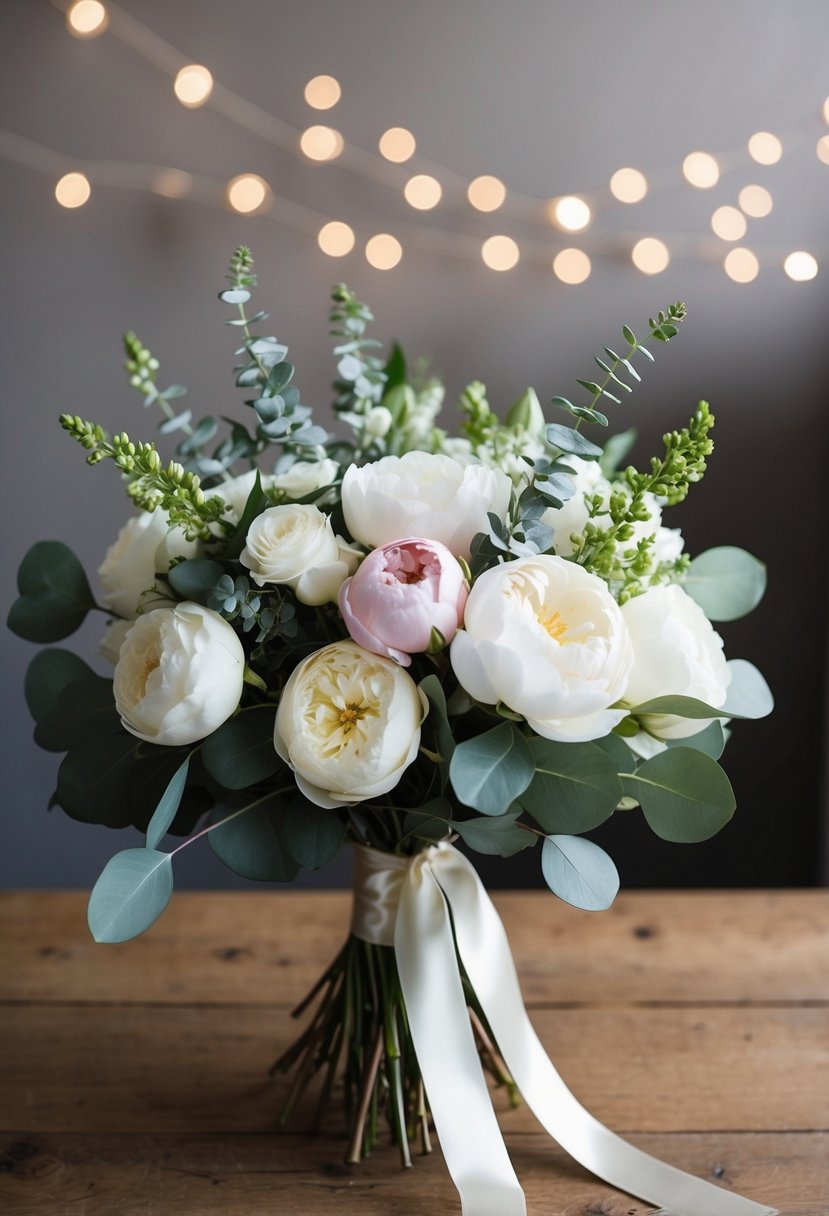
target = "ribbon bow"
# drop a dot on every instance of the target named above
(406, 902)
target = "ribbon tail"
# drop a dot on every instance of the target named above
(460, 1102)
(484, 950)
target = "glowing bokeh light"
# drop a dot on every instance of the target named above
(422, 192)
(73, 190)
(323, 92)
(321, 143)
(383, 251)
(729, 224)
(650, 255)
(765, 148)
(193, 85)
(247, 193)
(800, 266)
(755, 201)
(397, 144)
(87, 18)
(571, 265)
(500, 253)
(741, 265)
(701, 170)
(570, 213)
(486, 193)
(628, 185)
(336, 239)
(822, 149)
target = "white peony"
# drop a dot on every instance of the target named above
(305, 476)
(676, 652)
(144, 547)
(295, 546)
(179, 675)
(425, 495)
(548, 640)
(348, 724)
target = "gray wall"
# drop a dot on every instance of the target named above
(549, 96)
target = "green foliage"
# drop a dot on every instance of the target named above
(83, 709)
(54, 594)
(579, 872)
(49, 672)
(491, 770)
(241, 752)
(195, 578)
(362, 376)
(498, 837)
(726, 582)
(249, 842)
(437, 723)
(749, 696)
(685, 796)
(133, 890)
(710, 740)
(615, 450)
(312, 836)
(575, 786)
(168, 805)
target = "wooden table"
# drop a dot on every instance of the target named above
(134, 1076)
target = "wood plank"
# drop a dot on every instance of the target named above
(268, 948)
(119, 1175)
(191, 1069)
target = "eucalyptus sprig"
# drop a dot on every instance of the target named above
(362, 376)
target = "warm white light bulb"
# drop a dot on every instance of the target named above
(321, 143)
(570, 212)
(423, 192)
(755, 201)
(650, 255)
(765, 148)
(741, 265)
(822, 149)
(500, 253)
(336, 239)
(323, 92)
(397, 144)
(728, 223)
(701, 170)
(486, 193)
(247, 193)
(193, 85)
(73, 190)
(87, 18)
(800, 266)
(571, 265)
(628, 185)
(383, 251)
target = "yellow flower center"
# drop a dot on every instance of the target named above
(553, 623)
(350, 716)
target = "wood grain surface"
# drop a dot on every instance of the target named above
(134, 1077)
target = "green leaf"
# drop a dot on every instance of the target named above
(133, 890)
(615, 451)
(629, 335)
(234, 295)
(241, 752)
(395, 369)
(195, 578)
(202, 433)
(313, 836)
(575, 786)
(94, 780)
(438, 718)
(726, 582)
(83, 711)
(569, 440)
(749, 696)
(430, 821)
(49, 672)
(54, 594)
(618, 751)
(250, 845)
(165, 812)
(579, 872)
(710, 740)
(497, 837)
(256, 503)
(490, 771)
(685, 796)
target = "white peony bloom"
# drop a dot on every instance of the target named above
(305, 476)
(179, 675)
(425, 495)
(676, 653)
(110, 644)
(144, 547)
(547, 639)
(348, 724)
(295, 546)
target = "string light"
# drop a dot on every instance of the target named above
(486, 193)
(741, 265)
(321, 143)
(73, 190)
(397, 144)
(87, 18)
(172, 183)
(755, 201)
(650, 255)
(500, 253)
(700, 169)
(383, 251)
(336, 239)
(323, 92)
(193, 85)
(248, 193)
(822, 149)
(765, 148)
(422, 192)
(826, 111)
(571, 266)
(570, 212)
(628, 185)
(800, 266)
(728, 223)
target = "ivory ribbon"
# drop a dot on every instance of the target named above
(415, 904)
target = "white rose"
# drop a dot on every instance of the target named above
(295, 546)
(348, 724)
(236, 491)
(676, 653)
(306, 476)
(144, 547)
(179, 675)
(425, 495)
(546, 638)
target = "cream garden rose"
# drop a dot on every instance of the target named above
(422, 494)
(295, 546)
(548, 640)
(179, 675)
(348, 724)
(145, 546)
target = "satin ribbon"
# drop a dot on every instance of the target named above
(434, 910)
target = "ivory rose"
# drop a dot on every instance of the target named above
(295, 546)
(348, 724)
(547, 639)
(145, 546)
(422, 494)
(676, 652)
(179, 675)
(400, 594)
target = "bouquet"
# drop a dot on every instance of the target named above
(402, 640)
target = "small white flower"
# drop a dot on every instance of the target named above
(306, 476)
(145, 546)
(348, 724)
(378, 422)
(295, 546)
(179, 675)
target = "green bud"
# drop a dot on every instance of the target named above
(526, 415)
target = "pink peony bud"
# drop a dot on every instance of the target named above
(400, 594)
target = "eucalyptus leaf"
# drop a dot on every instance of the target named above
(567, 439)
(430, 821)
(575, 786)
(165, 812)
(710, 740)
(195, 578)
(438, 718)
(54, 594)
(202, 434)
(176, 423)
(726, 582)
(49, 672)
(132, 891)
(579, 872)
(749, 696)
(615, 451)
(241, 752)
(313, 836)
(83, 711)
(94, 780)
(250, 844)
(685, 796)
(491, 770)
(496, 837)
(618, 751)
(234, 295)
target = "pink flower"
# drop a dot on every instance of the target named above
(400, 594)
